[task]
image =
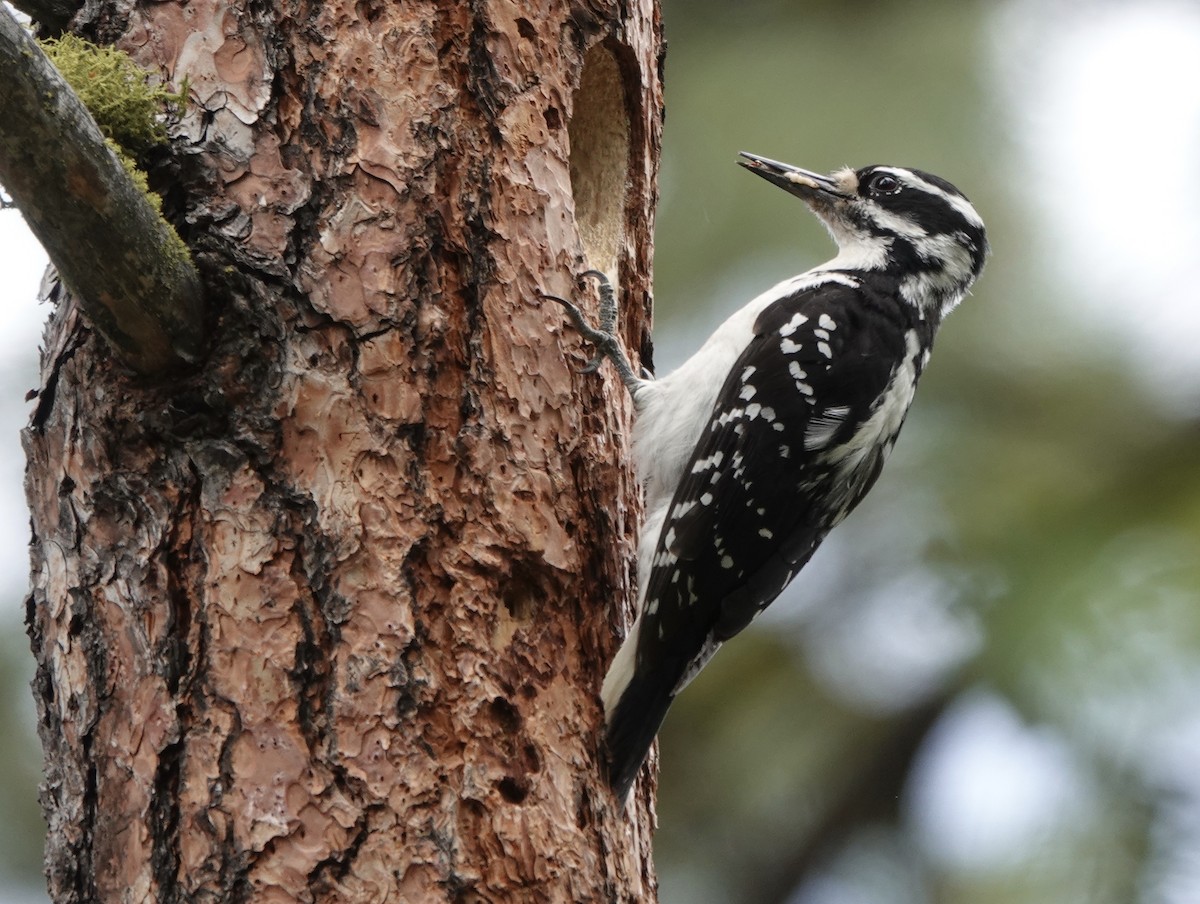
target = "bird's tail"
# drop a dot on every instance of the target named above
(635, 704)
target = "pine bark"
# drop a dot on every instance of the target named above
(324, 618)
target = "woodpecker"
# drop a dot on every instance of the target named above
(769, 435)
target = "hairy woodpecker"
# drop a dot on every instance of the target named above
(766, 438)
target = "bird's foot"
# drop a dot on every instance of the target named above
(603, 336)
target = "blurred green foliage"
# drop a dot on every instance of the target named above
(1055, 505)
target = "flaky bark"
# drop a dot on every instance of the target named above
(132, 275)
(325, 620)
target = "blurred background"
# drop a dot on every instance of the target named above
(985, 689)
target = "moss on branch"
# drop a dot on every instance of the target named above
(128, 106)
(91, 210)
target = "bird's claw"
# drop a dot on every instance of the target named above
(603, 336)
(599, 337)
(608, 301)
(592, 366)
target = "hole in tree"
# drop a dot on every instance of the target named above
(599, 134)
(505, 715)
(513, 790)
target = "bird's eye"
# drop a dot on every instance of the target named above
(884, 184)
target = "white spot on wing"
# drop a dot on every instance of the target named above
(712, 461)
(682, 509)
(792, 325)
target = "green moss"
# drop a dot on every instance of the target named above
(138, 177)
(130, 110)
(178, 255)
(117, 92)
(177, 249)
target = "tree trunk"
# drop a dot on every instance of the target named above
(325, 618)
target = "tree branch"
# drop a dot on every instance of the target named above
(128, 268)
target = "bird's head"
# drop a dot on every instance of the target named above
(910, 224)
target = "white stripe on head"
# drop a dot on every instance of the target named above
(896, 224)
(957, 201)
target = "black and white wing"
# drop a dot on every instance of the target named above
(783, 459)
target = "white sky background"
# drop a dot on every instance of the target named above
(22, 263)
(1103, 100)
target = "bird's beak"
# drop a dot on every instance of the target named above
(803, 183)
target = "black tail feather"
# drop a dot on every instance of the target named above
(632, 727)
